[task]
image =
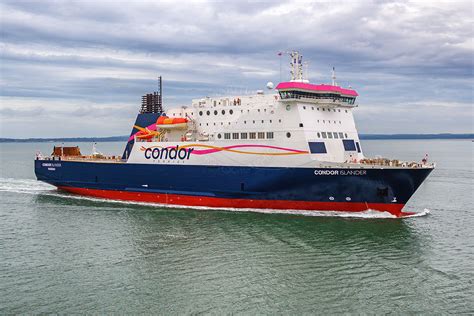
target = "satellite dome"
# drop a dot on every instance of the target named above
(270, 85)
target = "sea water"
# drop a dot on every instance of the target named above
(70, 254)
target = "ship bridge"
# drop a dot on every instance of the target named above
(299, 88)
(316, 93)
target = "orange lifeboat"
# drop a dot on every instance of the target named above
(172, 123)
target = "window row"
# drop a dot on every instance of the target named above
(245, 122)
(335, 135)
(201, 113)
(251, 135)
(324, 109)
(309, 95)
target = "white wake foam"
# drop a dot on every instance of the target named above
(24, 186)
(30, 186)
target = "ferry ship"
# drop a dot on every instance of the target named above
(292, 147)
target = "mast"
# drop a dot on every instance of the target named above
(334, 76)
(296, 65)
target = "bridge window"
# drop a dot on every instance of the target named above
(335, 135)
(329, 135)
(341, 135)
(324, 134)
(319, 135)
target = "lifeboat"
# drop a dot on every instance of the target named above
(165, 122)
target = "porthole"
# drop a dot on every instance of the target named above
(200, 113)
(208, 113)
(219, 136)
(331, 198)
(215, 112)
(304, 108)
(348, 198)
(262, 121)
(231, 112)
(223, 112)
(288, 107)
(288, 134)
(346, 135)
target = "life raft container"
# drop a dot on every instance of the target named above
(171, 123)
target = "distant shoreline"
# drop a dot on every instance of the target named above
(125, 138)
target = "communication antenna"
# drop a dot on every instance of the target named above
(334, 76)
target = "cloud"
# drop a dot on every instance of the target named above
(89, 55)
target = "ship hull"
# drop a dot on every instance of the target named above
(350, 190)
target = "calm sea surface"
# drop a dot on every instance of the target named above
(67, 254)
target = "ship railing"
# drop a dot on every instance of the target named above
(394, 163)
(99, 158)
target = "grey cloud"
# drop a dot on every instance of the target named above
(393, 52)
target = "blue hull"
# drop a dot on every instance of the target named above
(354, 186)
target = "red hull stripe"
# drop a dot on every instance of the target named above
(188, 200)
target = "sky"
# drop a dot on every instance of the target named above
(79, 68)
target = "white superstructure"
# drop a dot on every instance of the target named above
(295, 124)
